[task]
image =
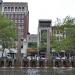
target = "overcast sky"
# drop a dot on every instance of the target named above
(47, 9)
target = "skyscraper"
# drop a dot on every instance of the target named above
(17, 12)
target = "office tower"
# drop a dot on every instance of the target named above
(17, 12)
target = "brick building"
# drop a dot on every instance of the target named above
(17, 12)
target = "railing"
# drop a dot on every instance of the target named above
(41, 62)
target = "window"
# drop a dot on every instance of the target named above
(22, 21)
(16, 9)
(19, 16)
(8, 8)
(5, 8)
(22, 8)
(19, 8)
(16, 16)
(22, 27)
(22, 30)
(22, 16)
(12, 8)
(22, 24)
(19, 21)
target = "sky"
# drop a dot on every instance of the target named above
(47, 9)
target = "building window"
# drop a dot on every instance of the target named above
(22, 16)
(22, 21)
(19, 16)
(22, 27)
(19, 8)
(16, 16)
(8, 8)
(22, 24)
(16, 9)
(18, 21)
(12, 8)
(22, 30)
(22, 8)
(5, 8)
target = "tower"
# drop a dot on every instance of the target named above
(17, 12)
(44, 37)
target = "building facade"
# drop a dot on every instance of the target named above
(32, 40)
(44, 31)
(17, 12)
(58, 33)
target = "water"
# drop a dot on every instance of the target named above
(37, 71)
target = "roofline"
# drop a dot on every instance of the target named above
(16, 2)
(45, 20)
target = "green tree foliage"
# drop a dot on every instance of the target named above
(7, 31)
(67, 39)
(43, 42)
(32, 45)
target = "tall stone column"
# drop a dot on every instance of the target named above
(18, 55)
(48, 46)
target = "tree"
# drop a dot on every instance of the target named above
(69, 28)
(66, 35)
(7, 31)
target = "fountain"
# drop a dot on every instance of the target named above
(45, 63)
(33, 69)
(29, 62)
(37, 61)
(54, 64)
(62, 66)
